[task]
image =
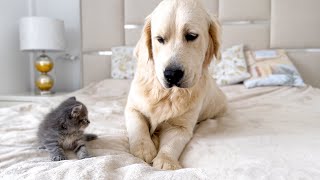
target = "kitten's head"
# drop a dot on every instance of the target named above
(77, 115)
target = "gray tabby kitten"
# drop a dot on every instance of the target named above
(63, 129)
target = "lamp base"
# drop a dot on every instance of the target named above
(44, 81)
(46, 93)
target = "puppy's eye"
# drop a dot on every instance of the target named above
(191, 36)
(160, 39)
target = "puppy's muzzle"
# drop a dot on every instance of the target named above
(173, 76)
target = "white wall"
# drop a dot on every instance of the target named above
(14, 64)
(68, 73)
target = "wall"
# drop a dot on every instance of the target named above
(14, 64)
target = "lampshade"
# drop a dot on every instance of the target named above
(41, 33)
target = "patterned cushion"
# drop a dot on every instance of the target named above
(272, 71)
(123, 63)
(232, 68)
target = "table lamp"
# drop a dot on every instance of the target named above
(42, 34)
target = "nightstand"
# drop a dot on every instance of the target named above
(7, 100)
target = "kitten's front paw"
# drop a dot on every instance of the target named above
(144, 149)
(166, 163)
(85, 156)
(58, 158)
(90, 137)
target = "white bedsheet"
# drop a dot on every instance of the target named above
(268, 133)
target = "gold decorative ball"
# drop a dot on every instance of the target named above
(44, 82)
(44, 63)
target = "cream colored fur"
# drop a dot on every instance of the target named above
(160, 121)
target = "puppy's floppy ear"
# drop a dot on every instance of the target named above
(76, 110)
(214, 42)
(143, 49)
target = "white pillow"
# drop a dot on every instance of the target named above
(123, 64)
(232, 68)
(275, 70)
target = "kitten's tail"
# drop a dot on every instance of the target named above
(90, 137)
(41, 147)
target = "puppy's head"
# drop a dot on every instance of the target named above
(181, 39)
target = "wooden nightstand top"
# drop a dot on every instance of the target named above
(28, 97)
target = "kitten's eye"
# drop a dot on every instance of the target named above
(191, 36)
(160, 39)
(84, 120)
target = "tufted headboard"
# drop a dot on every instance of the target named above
(293, 25)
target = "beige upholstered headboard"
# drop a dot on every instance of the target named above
(293, 25)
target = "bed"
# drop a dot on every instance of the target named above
(267, 133)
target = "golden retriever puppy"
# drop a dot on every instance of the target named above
(172, 89)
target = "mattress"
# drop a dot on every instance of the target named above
(267, 133)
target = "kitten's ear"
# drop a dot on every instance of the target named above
(76, 110)
(62, 122)
(72, 98)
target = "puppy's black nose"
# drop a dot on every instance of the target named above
(173, 75)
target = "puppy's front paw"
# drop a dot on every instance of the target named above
(166, 163)
(58, 157)
(144, 150)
